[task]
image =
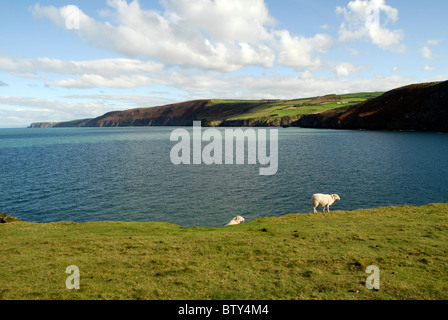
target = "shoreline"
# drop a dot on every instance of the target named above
(11, 218)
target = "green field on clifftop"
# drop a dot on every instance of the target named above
(298, 107)
(226, 111)
(296, 256)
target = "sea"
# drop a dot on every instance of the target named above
(127, 174)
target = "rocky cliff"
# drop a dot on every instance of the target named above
(43, 124)
(419, 107)
(179, 114)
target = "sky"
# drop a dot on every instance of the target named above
(66, 60)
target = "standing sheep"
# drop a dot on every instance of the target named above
(323, 200)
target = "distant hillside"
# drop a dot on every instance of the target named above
(219, 112)
(43, 125)
(419, 107)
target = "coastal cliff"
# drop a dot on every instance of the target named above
(418, 107)
(43, 124)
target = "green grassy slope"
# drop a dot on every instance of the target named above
(298, 107)
(297, 256)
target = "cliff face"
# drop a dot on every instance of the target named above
(179, 114)
(419, 107)
(286, 121)
(176, 115)
(43, 125)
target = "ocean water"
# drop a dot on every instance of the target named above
(125, 174)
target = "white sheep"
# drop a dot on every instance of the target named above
(323, 200)
(236, 220)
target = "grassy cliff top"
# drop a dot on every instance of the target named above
(296, 256)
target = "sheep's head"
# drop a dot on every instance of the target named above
(335, 197)
(240, 219)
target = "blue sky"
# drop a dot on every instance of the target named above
(65, 60)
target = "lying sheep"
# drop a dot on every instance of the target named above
(236, 220)
(323, 200)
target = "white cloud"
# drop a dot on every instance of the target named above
(21, 111)
(124, 100)
(426, 53)
(306, 85)
(224, 35)
(353, 52)
(93, 80)
(113, 73)
(298, 52)
(225, 20)
(187, 35)
(189, 85)
(428, 68)
(396, 69)
(3, 84)
(346, 69)
(368, 19)
(40, 104)
(101, 67)
(433, 42)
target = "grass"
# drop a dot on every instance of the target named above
(296, 256)
(299, 107)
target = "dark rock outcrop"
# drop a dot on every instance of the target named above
(418, 107)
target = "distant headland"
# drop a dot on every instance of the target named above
(417, 107)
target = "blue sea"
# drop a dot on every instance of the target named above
(125, 174)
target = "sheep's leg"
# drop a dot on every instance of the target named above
(315, 211)
(328, 208)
